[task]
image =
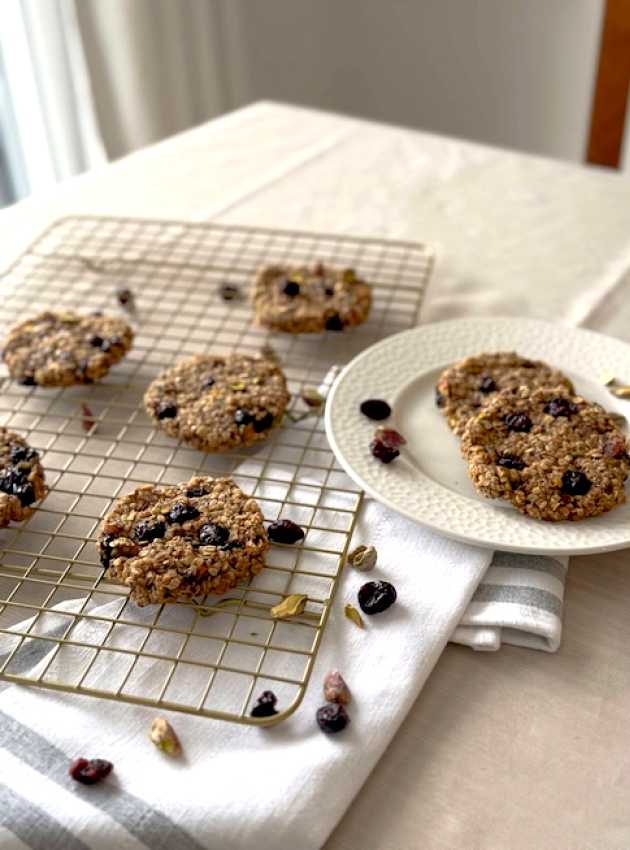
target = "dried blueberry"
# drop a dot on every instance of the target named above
(290, 288)
(146, 531)
(89, 772)
(383, 452)
(487, 384)
(105, 548)
(285, 531)
(228, 291)
(375, 408)
(334, 323)
(575, 483)
(510, 462)
(264, 423)
(242, 417)
(213, 534)
(11, 479)
(181, 512)
(518, 422)
(124, 296)
(97, 341)
(560, 407)
(332, 718)
(265, 705)
(28, 381)
(25, 493)
(196, 492)
(329, 292)
(376, 596)
(166, 410)
(21, 453)
(440, 400)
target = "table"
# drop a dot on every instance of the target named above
(513, 749)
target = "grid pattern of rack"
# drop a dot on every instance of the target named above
(62, 624)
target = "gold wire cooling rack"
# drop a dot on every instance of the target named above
(63, 626)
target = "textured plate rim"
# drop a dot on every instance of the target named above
(336, 440)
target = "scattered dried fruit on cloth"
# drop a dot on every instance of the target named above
(289, 607)
(90, 771)
(312, 397)
(265, 705)
(285, 531)
(125, 297)
(376, 596)
(229, 291)
(335, 688)
(352, 614)
(164, 737)
(88, 421)
(375, 408)
(363, 558)
(332, 718)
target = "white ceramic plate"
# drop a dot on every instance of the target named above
(429, 481)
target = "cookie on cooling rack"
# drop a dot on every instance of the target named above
(21, 478)
(216, 403)
(57, 349)
(200, 537)
(303, 299)
(552, 454)
(466, 387)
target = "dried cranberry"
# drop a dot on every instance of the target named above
(440, 400)
(290, 288)
(166, 410)
(518, 422)
(21, 453)
(510, 462)
(560, 407)
(242, 417)
(375, 408)
(376, 596)
(575, 483)
(381, 451)
(390, 437)
(616, 447)
(285, 531)
(89, 772)
(265, 705)
(213, 534)
(332, 718)
(264, 423)
(334, 323)
(487, 384)
(181, 512)
(146, 531)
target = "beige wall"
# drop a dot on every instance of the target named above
(516, 73)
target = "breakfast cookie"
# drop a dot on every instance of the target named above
(183, 541)
(302, 299)
(471, 384)
(216, 403)
(553, 455)
(21, 478)
(59, 349)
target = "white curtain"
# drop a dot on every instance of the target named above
(156, 67)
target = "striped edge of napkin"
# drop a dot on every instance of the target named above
(519, 602)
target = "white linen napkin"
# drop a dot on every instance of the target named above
(239, 787)
(519, 601)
